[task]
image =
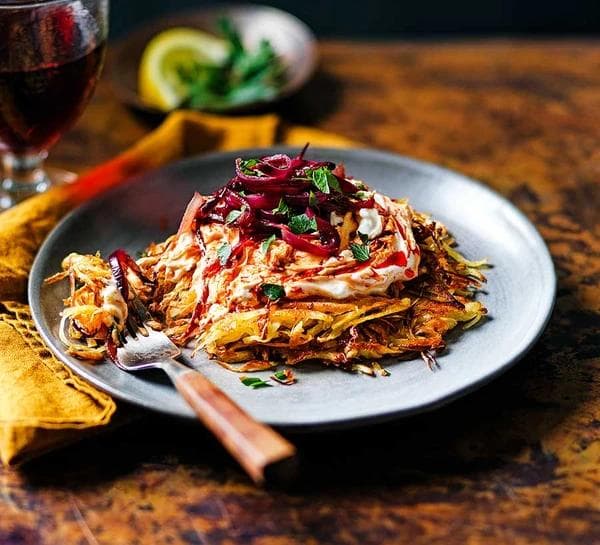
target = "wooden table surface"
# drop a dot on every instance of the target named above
(516, 462)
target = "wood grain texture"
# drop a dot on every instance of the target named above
(516, 462)
(254, 445)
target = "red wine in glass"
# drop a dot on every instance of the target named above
(51, 56)
(38, 105)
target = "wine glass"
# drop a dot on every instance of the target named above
(51, 55)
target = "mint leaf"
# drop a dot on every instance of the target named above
(254, 382)
(223, 252)
(282, 208)
(324, 180)
(360, 252)
(264, 247)
(273, 291)
(302, 224)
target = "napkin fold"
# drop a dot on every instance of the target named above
(42, 403)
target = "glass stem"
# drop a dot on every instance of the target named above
(24, 174)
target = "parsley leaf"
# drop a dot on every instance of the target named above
(324, 180)
(273, 291)
(253, 382)
(361, 252)
(264, 247)
(302, 224)
(233, 215)
(246, 166)
(223, 252)
(282, 208)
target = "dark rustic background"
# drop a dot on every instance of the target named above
(398, 18)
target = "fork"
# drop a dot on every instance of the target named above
(261, 451)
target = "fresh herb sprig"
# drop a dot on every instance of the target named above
(324, 180)
(361, 252)
(234, 215)
(282, 208)
(223, 253)
(254, 382)
(302, 224)
(246, 76)
(273, 291)
(266, 244)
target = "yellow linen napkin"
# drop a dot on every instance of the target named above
(42, 403)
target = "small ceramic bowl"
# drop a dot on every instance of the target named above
(290, 37)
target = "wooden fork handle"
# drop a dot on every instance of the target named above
(257, 447)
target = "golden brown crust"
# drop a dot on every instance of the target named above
(410, 318)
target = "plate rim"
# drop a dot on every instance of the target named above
(542, 317)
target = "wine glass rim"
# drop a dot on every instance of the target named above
(23, 4)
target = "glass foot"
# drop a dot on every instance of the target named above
(12, 193)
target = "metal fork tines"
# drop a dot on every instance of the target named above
(145, 348)
(256, 446)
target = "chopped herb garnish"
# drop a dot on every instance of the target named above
(273, 291)
(312, 199)
(360, 185)
(286, 377)
(363, 195)
(282, 208)
(246, 166)
(253, 382)
(223, 252)
(302, 224)
(264, 247)
(141, 253)
(324, 180)
(233, 215)
(361, 252)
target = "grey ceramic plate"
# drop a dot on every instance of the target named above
(292, 40)
(520, 291)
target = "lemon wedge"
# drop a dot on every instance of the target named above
(159, 84)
